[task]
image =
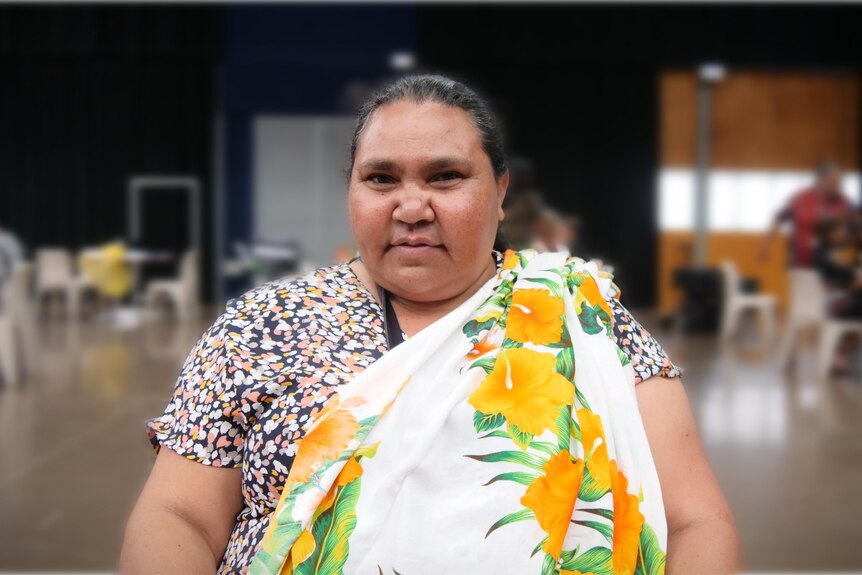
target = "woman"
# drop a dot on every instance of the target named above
(431, 406)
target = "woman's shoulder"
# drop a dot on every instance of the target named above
(647, 356)
(287, 307)
(296, 294)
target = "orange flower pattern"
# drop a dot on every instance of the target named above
(628, 522)
(528, 392)
(535, 316)
(552, 498)
(511, 260)
(326, 439)
(525, 388)
(593, 439)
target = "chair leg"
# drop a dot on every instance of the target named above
(788, 345)
(179, 305)
(27, 328)
(768, 315)
(151, 303)
(8, 353)
(830, 337)
(73, 300)
(728, 321)
(43, 304)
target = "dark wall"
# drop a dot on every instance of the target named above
(90, 96)
(577, 87)
(295, 60)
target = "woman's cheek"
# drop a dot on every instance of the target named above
(463, 223)
(370, 218)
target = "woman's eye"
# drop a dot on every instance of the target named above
(447, 177)
(380, 179)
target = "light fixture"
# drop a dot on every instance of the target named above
(402, 61)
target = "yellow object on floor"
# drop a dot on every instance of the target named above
(108, 270)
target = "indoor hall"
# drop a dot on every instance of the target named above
(158, 162)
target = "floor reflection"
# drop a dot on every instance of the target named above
(786, 447)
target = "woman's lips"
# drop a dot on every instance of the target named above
(414, 250)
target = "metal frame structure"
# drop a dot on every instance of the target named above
(138, 185)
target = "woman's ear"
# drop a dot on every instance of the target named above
(502, 186)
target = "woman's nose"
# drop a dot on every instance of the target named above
(414, 206)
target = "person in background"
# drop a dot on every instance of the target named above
(522, 206)
(518, 228)
(836, 260)
(822, 201)
(554, 232)
(546, 232)
(569, 235)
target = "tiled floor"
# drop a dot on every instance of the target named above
(73, 454)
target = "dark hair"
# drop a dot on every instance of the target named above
(827, 169)
(432, 88)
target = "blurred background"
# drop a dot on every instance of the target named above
(158, 160)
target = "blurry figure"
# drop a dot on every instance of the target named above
(553, 233)
(805, 209)
(836, 260)
(517, 230)
(569, 235)
(11, 254)
(546, 231)
(529, 222)
(522, 205)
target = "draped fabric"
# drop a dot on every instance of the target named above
(503, 438)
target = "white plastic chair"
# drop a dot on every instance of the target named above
(55, 274)
(17, 325)
(181, 292)
(809, 307)
(736, 303)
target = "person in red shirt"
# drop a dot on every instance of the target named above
(805, 210)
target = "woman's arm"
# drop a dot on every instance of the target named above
(702, 535)
(183, 518)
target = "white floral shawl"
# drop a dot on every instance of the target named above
(503, 438)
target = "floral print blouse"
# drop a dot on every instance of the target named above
(268, 365)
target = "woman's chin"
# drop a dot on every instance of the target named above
(423, 284)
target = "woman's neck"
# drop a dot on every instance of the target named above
(414, 316)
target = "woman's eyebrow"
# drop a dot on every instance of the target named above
(378, 164)
(385, 165)
(447, 162)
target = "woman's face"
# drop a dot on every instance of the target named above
(424, 201)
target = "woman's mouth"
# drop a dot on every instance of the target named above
(414, 247)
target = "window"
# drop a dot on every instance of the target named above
(739, 200)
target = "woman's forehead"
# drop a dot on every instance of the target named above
(430, 131)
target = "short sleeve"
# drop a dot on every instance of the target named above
(200, 421)
(647, 356)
